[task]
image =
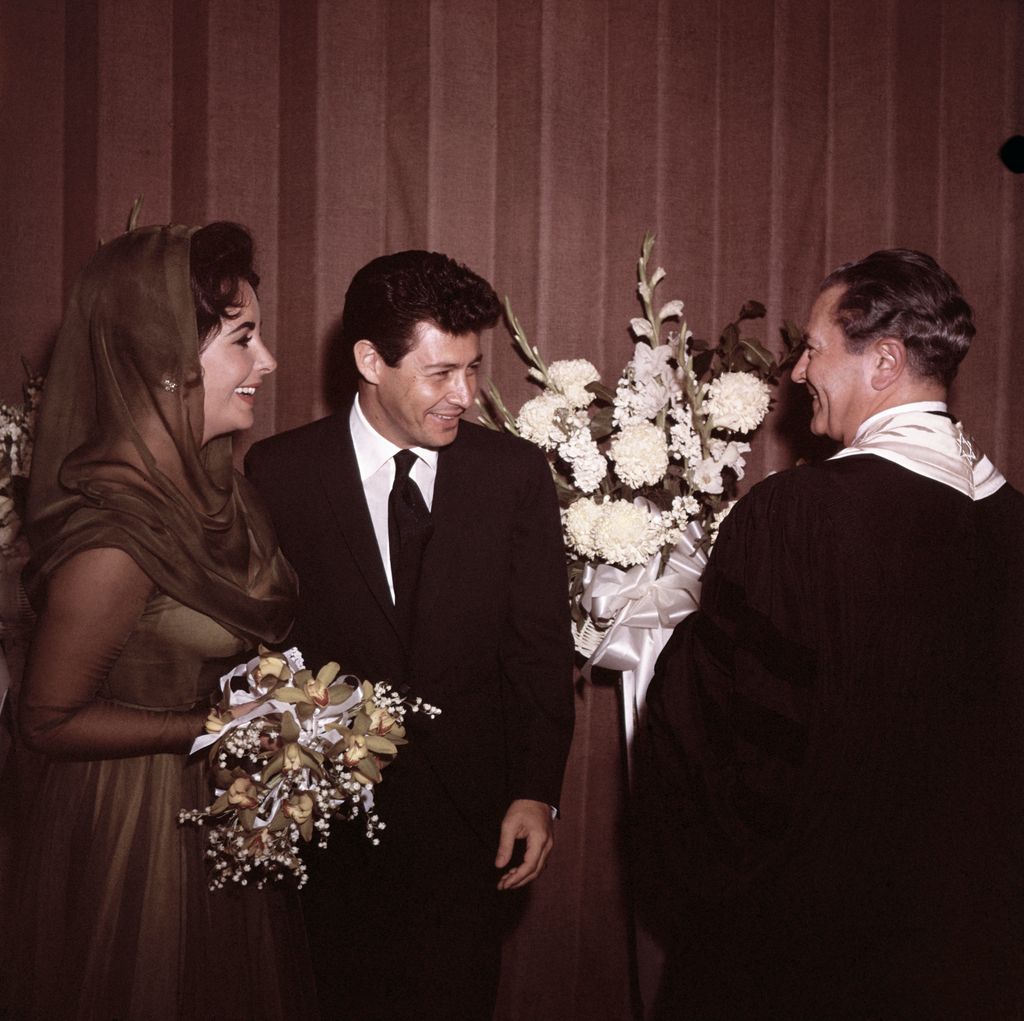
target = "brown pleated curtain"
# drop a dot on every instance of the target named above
(764, 141)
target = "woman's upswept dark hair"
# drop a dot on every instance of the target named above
(898, 292)
(220, 259)
(391, 294)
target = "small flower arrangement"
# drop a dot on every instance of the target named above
(17, 430)
(649, 467)
(289, 751)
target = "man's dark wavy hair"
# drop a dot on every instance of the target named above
(897, 292)
(391, 294)
(220, 259)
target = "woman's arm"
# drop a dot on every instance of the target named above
(94, 602)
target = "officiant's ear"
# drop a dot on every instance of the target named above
(888, 361)
(368, 360)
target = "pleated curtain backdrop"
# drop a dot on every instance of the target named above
(763, 141)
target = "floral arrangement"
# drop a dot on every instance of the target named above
(288, 752)
(650, 466)
(17, 429)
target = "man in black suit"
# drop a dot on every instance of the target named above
(443, 573)
(836, 738)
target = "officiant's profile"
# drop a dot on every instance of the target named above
(833, 756)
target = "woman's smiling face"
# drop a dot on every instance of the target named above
(234, 361)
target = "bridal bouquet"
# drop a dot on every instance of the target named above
(644, 471)
(306, 749)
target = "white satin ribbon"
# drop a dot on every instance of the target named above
(929, 445)
(644, 605)
(312, 729)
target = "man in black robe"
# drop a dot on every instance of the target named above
(834, 745)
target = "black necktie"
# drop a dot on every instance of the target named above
(409, 529)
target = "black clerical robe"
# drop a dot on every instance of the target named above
(833, 765)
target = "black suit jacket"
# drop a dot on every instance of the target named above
(491, 644)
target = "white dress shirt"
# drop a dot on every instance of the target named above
(375, 456)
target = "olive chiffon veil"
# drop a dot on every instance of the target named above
(118, 460)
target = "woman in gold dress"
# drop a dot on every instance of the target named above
(154, 570)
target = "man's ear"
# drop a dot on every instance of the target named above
(368, 360)
(888, 360)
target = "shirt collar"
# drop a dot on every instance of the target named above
(373, 451)
(899, 409)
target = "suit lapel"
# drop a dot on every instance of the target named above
(343, 488)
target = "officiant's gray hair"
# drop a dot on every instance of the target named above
(898, 292)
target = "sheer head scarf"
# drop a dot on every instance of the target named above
(118, 462)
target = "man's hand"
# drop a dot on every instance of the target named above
(530, 821)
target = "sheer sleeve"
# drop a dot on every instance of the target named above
(94, 601)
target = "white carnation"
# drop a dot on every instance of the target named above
(737, 401)
(627, 535)
(589, 466)
(545, 420)
(640, 453)
(579, 522)
(570, 378)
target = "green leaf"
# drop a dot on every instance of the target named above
(757, 355)
(751, 310)
(133, 216)
(601, 425)
(599, 390)
(702, 363)
(729, 339)
(380, 745)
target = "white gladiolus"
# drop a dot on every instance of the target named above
(707, 477)
(650, 364)
(642, 327)
(729, 454)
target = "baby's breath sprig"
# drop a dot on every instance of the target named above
(307, 750)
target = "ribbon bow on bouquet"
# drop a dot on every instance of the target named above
(644, 605)
(289, 751)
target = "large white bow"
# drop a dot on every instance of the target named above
(644, 605)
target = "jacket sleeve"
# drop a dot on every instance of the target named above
(536, 649)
